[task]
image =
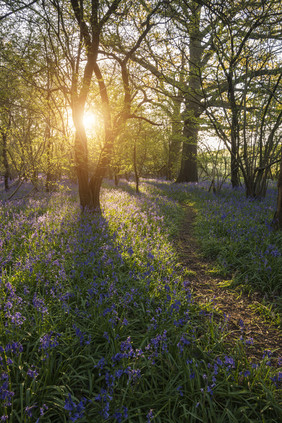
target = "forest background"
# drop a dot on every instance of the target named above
(92, 89)
(98, 317)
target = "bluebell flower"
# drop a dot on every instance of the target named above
(118, 416)
(179, 390)
(267, 353)
(150, 416)
(130, 251)
(241, 324)
(125, 412)
(32, 372)
(119, 373)
(277, 379)
(106, 335)
(219, 361)
(15, 347)
(29, 410)
(76, 411)
(5, 394)
(229, 361)
(209, 389)
(43, 409)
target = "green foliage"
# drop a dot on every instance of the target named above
(237, 233)
(98, 325)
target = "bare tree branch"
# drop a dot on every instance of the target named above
(24, 6)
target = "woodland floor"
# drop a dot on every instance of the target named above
(208, 290)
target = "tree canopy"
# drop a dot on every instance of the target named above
(154, 75)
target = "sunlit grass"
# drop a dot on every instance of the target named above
(98, 323)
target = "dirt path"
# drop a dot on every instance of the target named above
(207, 289)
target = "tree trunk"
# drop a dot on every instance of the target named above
(235, 180)
(100, 172)
(5, 160)
(135, 169)
(49, 178)
(48, 133)
(116, 179)
(81, 156)
(4, 133)
(278, 214)
(189, 169)
(95, 188)
(260, 184)
(174, 141)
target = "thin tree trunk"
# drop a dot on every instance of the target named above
(278, 214)
(4, 133)
(49, 155)
(48, 133)
(174, 141)
(235, 181)
(5, 160)
(135, 169)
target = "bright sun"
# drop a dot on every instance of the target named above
(90, 121)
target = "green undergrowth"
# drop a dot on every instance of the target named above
(98, 324)
(236, 233)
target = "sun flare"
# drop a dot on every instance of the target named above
(90, 121)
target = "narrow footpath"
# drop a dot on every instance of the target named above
(208, 289)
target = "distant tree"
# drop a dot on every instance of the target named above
(177, 59)
(140, 151)
(214, 165)
(240, 62)
(247, 79)
(31, 109)
(5, 125)
(218, 36)
(10, 90)
(165, 56)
